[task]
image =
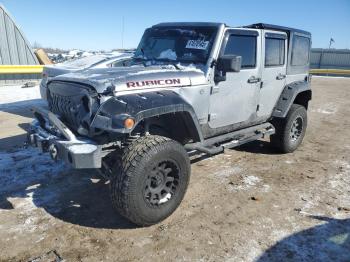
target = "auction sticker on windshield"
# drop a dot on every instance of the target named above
(197, 44)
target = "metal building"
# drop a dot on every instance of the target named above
(330, 58)
(14, 49)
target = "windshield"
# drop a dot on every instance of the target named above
(176, 44)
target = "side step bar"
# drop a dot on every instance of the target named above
(216, 145)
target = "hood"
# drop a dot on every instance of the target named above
(136, 77)
(53, 70)
(82, 64)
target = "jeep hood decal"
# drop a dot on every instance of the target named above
(136, 77)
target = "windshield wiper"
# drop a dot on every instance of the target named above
(139, 59)
(172, 62)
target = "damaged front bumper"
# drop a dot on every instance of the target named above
(50, 134)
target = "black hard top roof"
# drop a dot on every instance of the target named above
(210, 24)
(277, 28)
(257, 26)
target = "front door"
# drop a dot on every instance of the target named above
(273, 70)
(234, 101)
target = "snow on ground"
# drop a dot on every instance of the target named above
(26, 167)
(328, 108)
(23, 168)
(23, 176)
(15, 93)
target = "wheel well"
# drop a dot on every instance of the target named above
(178, 126)
(303, 98)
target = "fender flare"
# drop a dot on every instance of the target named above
(288, 96)
(141, 106)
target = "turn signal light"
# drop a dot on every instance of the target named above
(129, 123)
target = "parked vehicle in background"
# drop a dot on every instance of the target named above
(191, 87)
(94, 61)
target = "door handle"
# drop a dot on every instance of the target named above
(280, 77)
(253, 79)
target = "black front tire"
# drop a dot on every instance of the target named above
(151, 180)
(290, 131)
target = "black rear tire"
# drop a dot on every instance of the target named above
(290, 130)
(151, 180)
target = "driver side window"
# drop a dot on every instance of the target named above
(242, 45)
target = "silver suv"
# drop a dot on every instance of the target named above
(190, 88)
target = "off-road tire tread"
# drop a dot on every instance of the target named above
(280, 139)
(120, 184)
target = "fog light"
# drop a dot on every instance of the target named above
(129, 123)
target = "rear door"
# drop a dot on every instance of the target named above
(235, 100)
(274, 53)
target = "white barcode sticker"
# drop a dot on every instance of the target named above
(197, 44)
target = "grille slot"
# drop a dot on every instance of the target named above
(72, 103)
(66, 108)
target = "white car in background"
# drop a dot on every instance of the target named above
(95, 61)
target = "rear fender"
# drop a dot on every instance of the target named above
(293, 92)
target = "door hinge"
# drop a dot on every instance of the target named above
(212, 117)
(214, 90)
(257, 108)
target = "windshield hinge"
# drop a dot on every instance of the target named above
(261, 84)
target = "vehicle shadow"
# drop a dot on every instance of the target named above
(13, 142)
(19, 110)
(10, 143)
(258, 147)
(75, 196)
(84, 201)
(79, 197)
(327, 242)
(22, 108)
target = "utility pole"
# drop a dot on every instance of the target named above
(322, 52)
(330, 42)
(329, 47)
(123, 32)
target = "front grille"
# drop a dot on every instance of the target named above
(66, 108)
(73, 103)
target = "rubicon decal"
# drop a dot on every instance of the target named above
(155, 83)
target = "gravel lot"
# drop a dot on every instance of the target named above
(248, 204)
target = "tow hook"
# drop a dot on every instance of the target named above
(53, 152)
(31, 139)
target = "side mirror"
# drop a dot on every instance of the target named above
(229, 63)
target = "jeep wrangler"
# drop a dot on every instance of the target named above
(190, 88)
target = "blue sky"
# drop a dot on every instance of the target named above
(97, 24)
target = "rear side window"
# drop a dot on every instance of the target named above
(274, 52)
(300, 51)
(244, 46)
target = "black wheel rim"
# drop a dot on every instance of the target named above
(296, 129)
(161, 182)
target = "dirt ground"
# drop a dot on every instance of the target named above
(248, 204)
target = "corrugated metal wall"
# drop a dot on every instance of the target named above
(330, 58)
(14, 49)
